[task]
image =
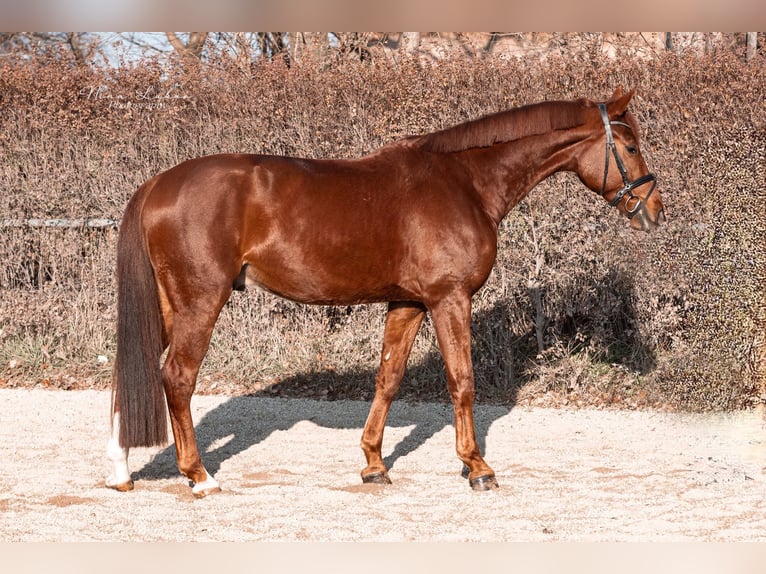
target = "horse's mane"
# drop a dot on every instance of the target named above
(507, 126)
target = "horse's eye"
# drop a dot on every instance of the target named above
(632, 150)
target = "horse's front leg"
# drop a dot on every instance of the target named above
(402, 323)
(452, 323)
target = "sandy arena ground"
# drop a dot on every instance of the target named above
(289, 469)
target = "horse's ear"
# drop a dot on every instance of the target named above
(618, 103)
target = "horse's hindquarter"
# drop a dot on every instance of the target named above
(374, 229)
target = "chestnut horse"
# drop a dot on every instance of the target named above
(413, 224)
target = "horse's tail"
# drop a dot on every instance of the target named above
(137, 378)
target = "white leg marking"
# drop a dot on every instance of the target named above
(118, 455)
(205, 487)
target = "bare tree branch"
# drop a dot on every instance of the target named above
(80, 46)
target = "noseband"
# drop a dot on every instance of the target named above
(634, 203)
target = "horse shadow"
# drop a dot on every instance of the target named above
(614, 333)
(244, 421)
(498, 360)
(264, 416)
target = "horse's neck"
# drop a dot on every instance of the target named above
(505, 173)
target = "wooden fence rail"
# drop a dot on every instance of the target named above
(90, 222)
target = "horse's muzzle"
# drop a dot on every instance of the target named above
(643, 220)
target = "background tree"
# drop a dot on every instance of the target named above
(190, 45)
(752, 45)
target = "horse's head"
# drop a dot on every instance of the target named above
(611, 164)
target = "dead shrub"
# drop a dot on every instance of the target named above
(578, 307)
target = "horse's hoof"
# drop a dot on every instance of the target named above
(487, 482)
(203, 492)
(123, 487)
(376, 478)
(206, 487)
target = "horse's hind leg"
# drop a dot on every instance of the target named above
(402, 323)
(120, 478)
(193, 320)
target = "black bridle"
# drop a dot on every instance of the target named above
(634, 203)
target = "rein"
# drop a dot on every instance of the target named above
(634, 203)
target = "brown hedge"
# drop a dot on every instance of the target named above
(579, 309)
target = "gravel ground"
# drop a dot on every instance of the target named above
(289, 469)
